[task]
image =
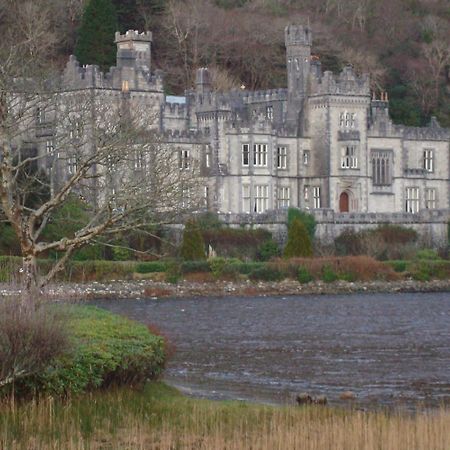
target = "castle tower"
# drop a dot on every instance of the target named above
(203, 81)
(298, 41)
(134, 49)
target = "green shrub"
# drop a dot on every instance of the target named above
(268, 250)
(107, 349)
(328, 274)
(151, 266)
(225, 268)
(398, 265)
(193, 245)
(425, 270)
(245, 268)
(304, 276)
(173, 272)
(307, 219)
(347, 276)
(97, 270)
(195, 266)
(266, 273)
(427, 253)
(299, 243)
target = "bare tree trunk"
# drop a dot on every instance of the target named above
(30, 278)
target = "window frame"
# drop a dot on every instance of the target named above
(245, 155)
(430, 200)
(428, 159)
(261, 198)
(184, 162)
(349, 157)
(260, 154)
(284, 197)
(412, 199)
(382, 167)
(282, 157)
(317, 197)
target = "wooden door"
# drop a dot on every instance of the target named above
(344, 202)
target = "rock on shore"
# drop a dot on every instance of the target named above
(152, 289)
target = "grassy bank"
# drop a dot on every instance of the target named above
(327, 269)
(158, 417)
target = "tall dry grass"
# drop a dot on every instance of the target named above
(159, 418)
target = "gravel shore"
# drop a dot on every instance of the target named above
(188, 289)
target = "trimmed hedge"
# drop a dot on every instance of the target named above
(151, 267)
(107, 349)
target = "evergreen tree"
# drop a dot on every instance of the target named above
(307, 219)
(193, 246)
(95, 43)
(299, 243)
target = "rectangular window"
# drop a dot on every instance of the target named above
(306, 157)
(206, 197)
(260, 155)
(185, 197)
(261, 198)
(347, 119)
(281, 157)
(208, 156)
(245, 154)
(184, 161)
(381, 168)
(306, 193)
(39, 115)
(430, 198)
(284, 197)
(412, 200)
(72, 164)
(49, 147)
(138, 160)
(349, 158)
(316, 197)
(246, 198)
(111, 163)
(269, 112)
(428, 164)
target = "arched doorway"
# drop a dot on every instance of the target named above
(344, 202)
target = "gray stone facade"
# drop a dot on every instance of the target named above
(324, 144)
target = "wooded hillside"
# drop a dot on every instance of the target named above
(404, 44)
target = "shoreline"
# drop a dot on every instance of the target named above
(147, 289)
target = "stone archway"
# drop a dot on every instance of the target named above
(344, 202)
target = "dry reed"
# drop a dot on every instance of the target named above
(124, 419)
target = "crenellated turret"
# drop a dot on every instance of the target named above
(134, 49)
(298, 40)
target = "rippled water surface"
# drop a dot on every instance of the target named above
(387, 348)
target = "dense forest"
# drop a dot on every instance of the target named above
(403, 44)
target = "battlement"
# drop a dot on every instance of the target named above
(175, 109)
(347, 82)
(297, 35)
(78, 77)
(186, 136)
(270, 95)
(133, 35)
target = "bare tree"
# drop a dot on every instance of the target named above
(105, 149)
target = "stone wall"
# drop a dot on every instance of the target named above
(431, 225)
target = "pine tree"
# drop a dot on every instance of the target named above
(193, 246)
(96, 34)
(299, 243)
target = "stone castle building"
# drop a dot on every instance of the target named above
(324, 144)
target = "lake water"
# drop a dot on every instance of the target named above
(389, 349)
